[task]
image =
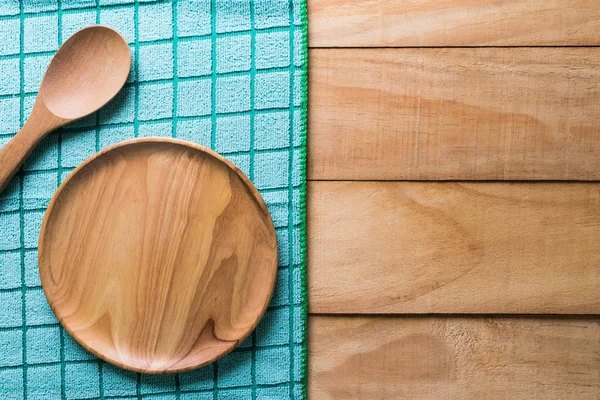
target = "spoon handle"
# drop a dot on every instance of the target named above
(16, 151)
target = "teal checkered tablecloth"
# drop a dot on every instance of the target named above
(228, 74)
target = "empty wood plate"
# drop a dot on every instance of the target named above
(158, 255)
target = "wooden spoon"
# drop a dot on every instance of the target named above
(87, 72)
(158, 255)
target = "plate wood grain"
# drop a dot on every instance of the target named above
(158, 255)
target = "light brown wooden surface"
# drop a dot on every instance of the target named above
(455, 114)
(158, 255)
(377, 23)
(465, 95)
(87, 71)
(454, 358)
(427, 247)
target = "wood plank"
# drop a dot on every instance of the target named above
(453, 358)
(377, 23)
(447, 114)
(444, 247)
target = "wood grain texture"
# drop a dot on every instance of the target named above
(158, 255)
(402, 23)
(442, 247)
(87, 71)
(455, 114)
(454, 358)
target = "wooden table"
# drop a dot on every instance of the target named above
(453, 225)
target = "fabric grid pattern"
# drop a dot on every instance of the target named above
(228, 74)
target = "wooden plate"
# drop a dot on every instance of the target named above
(158, 255)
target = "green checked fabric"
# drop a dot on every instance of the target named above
(228, 74)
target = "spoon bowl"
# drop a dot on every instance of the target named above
(88, 70)
(77, 82)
